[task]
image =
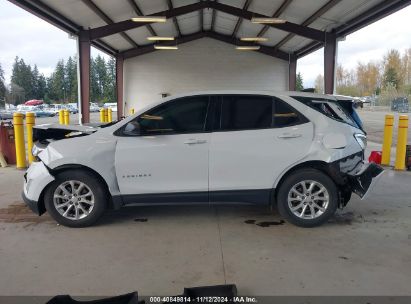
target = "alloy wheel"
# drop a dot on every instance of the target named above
(73, 199)
(308, 199)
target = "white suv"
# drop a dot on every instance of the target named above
(300, 151)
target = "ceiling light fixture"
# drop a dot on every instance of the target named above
(254, 39)
(149, 19)
(159, 38)
(248, 48)
(267, 20)
(166, 47)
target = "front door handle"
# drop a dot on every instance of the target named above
(195, 141)
(289, 135)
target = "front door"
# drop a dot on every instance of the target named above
(170, 155)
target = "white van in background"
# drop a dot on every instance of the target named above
(111, 105)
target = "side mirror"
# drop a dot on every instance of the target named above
(132, 129)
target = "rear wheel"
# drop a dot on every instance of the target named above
(307, 198)
(75, 199)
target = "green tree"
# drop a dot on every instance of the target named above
(299, 82)
(71, 79)
(391, 78)
(110, 87)
(23, 78)
(99, 79)
(56, 84)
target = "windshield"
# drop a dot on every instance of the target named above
(341, 110)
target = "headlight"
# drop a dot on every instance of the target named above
(361, 139)
(36, 150)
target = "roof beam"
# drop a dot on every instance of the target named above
(276, 14)
(240, 19)
(90, 4)
(129, 24)
(213, 18)
(263, 49)
(187, 38)
(297, 29)
(376, 13)
(138, 11)
(175, 21)
(125, 25)
(150, 48)
(201, 21)
(325, 8)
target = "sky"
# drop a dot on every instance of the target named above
(38, 42)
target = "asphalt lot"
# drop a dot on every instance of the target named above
(364, 250)
(374, 124)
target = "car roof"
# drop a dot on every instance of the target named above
(249, 92)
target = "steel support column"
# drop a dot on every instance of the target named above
(119, 86)
(292, 73)
(330, 53)
(84, 45)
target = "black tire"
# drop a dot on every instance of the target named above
(293, 180)
(93, 184)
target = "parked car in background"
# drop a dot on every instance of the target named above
(21, 108)
(5, 114)
(43, 112)
(111, 105)
(400, 104)
(72, 107)
(56, 107)
(300, 151)
(94, 107)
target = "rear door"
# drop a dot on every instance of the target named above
(258, 137)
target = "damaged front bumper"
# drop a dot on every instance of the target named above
(36, 179)
(360, 176)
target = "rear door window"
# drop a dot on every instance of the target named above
(246, 112)
(286, 116)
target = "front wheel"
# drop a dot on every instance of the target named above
(307, 198)
(75, 198)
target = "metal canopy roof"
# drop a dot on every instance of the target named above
(309, 22)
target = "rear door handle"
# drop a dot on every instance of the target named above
(289, 135)
(195, 141)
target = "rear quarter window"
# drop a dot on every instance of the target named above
(330, 108)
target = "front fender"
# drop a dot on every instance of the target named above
(98, 154)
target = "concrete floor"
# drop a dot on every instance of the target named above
(364, 250)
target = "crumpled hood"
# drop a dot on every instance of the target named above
(56, 131)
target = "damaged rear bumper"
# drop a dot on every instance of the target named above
(363, 182)
(360, 176)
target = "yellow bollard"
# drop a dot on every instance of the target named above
(387, 142)
(105, 115)
(401, 142)
(109, 115)
(19, 140)
(66, 117)
(61, 117)
(30, 122)
(131, 111)
(102, 115)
